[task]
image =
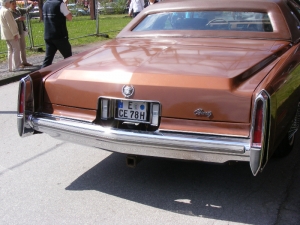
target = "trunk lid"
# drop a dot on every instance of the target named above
(184, 75)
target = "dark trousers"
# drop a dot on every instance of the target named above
(62, 45)
(135, 14)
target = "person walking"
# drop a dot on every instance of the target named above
(135, 7)
(10, 33)
(18, 14)
(55, 14)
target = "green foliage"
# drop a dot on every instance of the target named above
(120, 6)
(112, 7)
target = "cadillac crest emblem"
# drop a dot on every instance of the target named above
(127, 90)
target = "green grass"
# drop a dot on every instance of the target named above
(82, 30)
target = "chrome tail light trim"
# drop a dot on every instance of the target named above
(24, 112)
(258, 153)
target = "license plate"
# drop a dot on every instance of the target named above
(132, 110)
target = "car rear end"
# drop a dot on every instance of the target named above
(179, 96)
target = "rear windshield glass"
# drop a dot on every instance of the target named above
(206, 20)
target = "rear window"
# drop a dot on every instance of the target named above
(206, 20)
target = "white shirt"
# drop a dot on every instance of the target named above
(136, 5)
(9, 27)
(63, 9)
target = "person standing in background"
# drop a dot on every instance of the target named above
(55, 14)
(18, 14)
(150, 2)
(10, 33)
(135, 7)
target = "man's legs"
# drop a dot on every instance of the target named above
(64, 47)
(50, 53)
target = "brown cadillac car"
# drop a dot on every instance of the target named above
(206, 80)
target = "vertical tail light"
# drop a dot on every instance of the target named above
(259, 134)
(258, 125)
(21, 102)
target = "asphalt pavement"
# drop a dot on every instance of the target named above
(37, 60)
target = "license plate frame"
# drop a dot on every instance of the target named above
(132, 110)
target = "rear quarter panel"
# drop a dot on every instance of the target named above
(283, 85)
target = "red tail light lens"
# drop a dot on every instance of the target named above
(21, 99)
(258, 125)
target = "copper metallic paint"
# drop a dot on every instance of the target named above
(214, 76)
(288, 68)
(70, 112)
(206, 127)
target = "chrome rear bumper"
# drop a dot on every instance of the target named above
(160, 143)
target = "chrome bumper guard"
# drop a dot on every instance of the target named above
(166, 144)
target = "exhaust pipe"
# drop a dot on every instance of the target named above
(132, 160)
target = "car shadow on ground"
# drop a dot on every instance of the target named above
(226, 192)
